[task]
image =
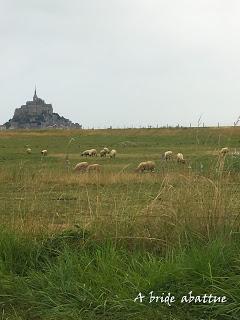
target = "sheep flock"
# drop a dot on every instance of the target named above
(144, 166)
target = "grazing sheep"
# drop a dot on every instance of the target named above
(107, 150)
(168, 155)
(85, 153)
(103, 153)
(29, 150)
(146, 166)
(94, 167)
(44, 152)
(90, 153)
(180, 158)
(236, 153)
(93, 153)
(113, 153)
(224, 151)
(81, 166)
(67, 164)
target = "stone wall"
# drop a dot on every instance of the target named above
(33, 110)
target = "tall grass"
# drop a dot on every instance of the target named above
(83, 246)
(69, 277)
(159, 208)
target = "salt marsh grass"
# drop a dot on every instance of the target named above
(70, 241)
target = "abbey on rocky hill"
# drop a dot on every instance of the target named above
(37, 114)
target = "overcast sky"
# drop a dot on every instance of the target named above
(123, 62)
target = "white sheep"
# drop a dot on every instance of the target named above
(236, 153)
(44, 152)
(113, 153)
(93, 153)
(168, 155)
(107, 150)
(67, 163)
(94, 167)
(180, 158)
(81, 166)
(146, 166)
(85, 153)
(90, 153)
(29, 150)
(103, 153)
(224, 151)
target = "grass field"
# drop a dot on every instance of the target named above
(82, 246)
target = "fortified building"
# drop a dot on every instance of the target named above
(38, 114)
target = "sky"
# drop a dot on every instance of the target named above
(123, 63)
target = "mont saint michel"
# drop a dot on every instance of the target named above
(37, 114)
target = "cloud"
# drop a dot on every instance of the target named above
(127, 62)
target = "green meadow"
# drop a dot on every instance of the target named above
(84, 245)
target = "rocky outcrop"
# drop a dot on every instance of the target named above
(37, 114)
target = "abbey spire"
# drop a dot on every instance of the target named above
(35, 97)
